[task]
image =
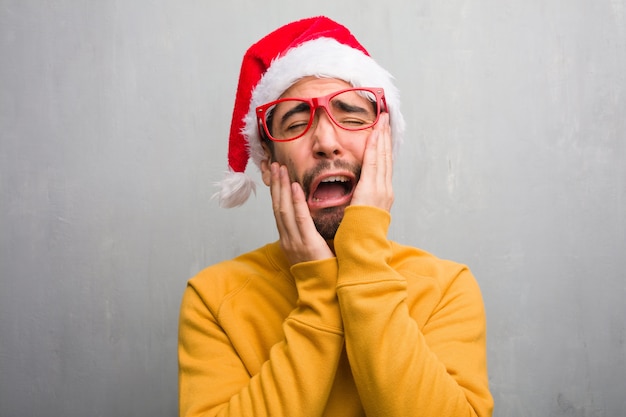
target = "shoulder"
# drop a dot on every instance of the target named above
(422, 263)
(220, 281)
(423, 268)
(436, 284)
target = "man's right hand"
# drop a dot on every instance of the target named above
(299, 238)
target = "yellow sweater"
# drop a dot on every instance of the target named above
(380, 330)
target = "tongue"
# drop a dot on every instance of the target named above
(329, 190)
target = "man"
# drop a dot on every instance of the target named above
(333, 319)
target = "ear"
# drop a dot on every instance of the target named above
(265, 164)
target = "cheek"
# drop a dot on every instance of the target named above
(281, 152)
(294, 174)
(357, 149)
(291, 156)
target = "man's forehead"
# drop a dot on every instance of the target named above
(312, 86)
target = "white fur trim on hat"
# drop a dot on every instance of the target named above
(234, 189)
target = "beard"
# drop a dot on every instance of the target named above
(326, 220)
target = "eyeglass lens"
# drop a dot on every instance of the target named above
(351, 110)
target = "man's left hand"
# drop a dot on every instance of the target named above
(375, 185)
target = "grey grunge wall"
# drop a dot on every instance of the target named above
(114, 119)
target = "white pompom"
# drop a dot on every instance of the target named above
(235, 189)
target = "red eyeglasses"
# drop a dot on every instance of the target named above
(351, 109)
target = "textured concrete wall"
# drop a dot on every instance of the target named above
(114, 119)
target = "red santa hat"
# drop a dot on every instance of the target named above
(315, 46)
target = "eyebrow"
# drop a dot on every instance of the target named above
(300, 108)
(348, 107)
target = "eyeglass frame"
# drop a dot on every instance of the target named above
(315, 103)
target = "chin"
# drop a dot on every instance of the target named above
(327, 221)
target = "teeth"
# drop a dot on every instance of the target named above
(336, 178)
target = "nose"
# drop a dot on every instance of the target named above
(325, 136)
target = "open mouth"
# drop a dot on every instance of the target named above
(333, 190)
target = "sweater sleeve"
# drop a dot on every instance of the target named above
(399, 368)
(294, 381)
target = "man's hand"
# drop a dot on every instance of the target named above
(299, 238)
(375, 186)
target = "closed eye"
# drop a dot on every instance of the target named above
(300, 108)
(344, 107)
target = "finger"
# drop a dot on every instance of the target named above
(382, 152)
(370, 158)
(387, 149)
(313, 245)
(276, 197)
(282, 204)
(302, 214)
(286, 210)
(387, 162)
(367, 180)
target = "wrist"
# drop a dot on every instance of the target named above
(316, 283)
